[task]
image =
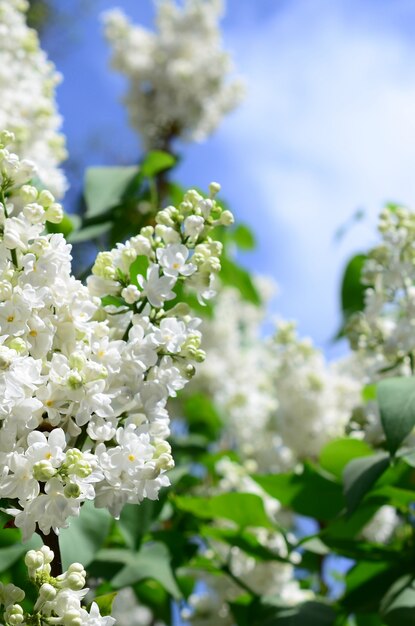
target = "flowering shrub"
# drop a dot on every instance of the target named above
(178, 88)
(87, 370)
(135, 380)
(27, 84)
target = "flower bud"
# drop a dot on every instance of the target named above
(43, 470)
(214, 188)
(28, 194)
(13, 615)
(45, 198)
(72, 490)
(226, 219)
(75, 380)
(54, 213)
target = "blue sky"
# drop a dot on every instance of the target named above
(327, 127)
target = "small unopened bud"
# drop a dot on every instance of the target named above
(226, 219)
(43, 470)
(46, 198)
(72, 490)
(14, 615)
(6, 137)
(29, 194)
(75, 380)
(54, 213)
(214, 188)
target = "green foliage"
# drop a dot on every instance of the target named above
(244, 509)
(135, 521)
(138, 268)
(352, 291)
(243, 237)
(156, 162)
(105, 188)
(105, 602)
(90, 233)
(360, 475)
(398, 605)
(298, 491)
(86, 534)
(68, 224)
(261, 613)
(396, 398)
(338, 453)
(202, 416)
(235, 276)
(152, 561)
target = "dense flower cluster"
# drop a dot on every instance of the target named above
(236, 376)
(178, 77)
(85, 380)
(27, 86)
(315, 399)
(383, 332)
(300, 402)
(59, 600)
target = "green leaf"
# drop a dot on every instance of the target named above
(360, 475)
(65, 226)
(396, 398)
(312, 613)
(152, 594)
(88, 233)
(368, 619)
(298, 491)
(408, 456)
(352, 290)
(394, 496)
(113, 301)
(138, 267)
(243, 237)
(233, 275)
(152, 561)
(86, 534)
(337, 454)
(244, 509)
(135, 520)
(308, 614)
(155, 162)
(369, 393)
(242, 539)
(367, 583)
(105, 603)
(201, 415)
(398, 605)
(105, 187)
(10, 554)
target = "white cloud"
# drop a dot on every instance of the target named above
(328, 126)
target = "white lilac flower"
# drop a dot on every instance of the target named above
(315, 398)
(382, 333)
(59, 599)
(179, 85)
(28, 108)
(173, 260)
(70, 368)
